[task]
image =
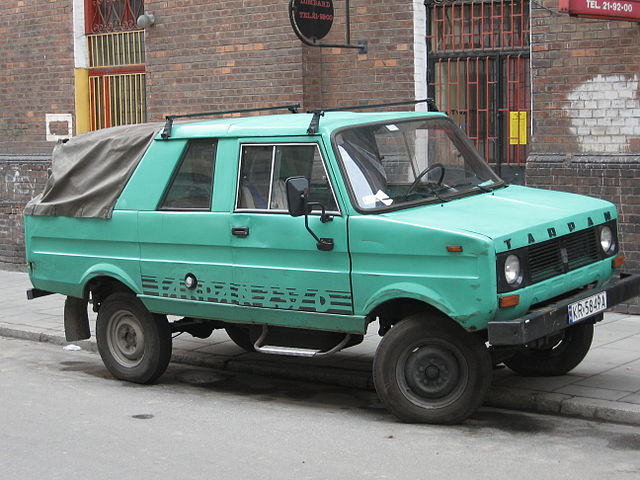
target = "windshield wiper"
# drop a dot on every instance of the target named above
(482, 187)
(433, 191)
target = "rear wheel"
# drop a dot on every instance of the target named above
(135, 345)
(555, 355)
(430, 370)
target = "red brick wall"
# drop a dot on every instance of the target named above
(204, 55)
(385, 73)
(227, 54)
(21, 178)
(36, 71)
(586, 115)
(585, 74)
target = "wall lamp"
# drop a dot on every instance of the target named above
(146, 20)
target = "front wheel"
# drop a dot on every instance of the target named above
(430, 370)
(135, 345)
(556, 355)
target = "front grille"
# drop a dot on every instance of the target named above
(562, 254)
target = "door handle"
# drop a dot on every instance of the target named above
(240, 231)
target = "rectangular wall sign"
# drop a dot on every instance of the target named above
(628, 10)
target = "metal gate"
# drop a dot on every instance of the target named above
(478, 72)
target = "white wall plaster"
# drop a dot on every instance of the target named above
(605, 113)
(58, 118)
(420, 52)
(80, 47)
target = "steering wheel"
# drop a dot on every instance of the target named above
(423, 173)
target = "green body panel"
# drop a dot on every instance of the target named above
(510, 215)
(397, 255)
(276, 275)
(65, 253)
(259, 315)
(463, 285)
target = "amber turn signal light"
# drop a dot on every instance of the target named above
(454, 248)
(617, 262)
(509, 301)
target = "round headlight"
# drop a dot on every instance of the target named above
(512, 270)
(606, 239)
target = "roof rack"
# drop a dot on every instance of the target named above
(315, 121)
(166, 132)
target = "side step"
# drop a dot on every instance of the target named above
(296, 351)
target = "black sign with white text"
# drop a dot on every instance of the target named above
(312, 18)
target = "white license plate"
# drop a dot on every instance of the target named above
(587, 306)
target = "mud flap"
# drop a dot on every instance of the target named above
(76, 319)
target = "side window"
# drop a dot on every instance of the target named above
(265, 168)
(192, 183)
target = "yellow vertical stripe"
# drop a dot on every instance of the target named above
(83, 121)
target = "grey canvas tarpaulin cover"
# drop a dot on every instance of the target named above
(89, 172)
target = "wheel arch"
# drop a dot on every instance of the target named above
(103, 279)
(402, 300)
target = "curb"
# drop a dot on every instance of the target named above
(498, 397)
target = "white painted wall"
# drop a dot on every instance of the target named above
(605, 113)
(420, 52)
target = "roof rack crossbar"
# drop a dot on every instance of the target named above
(166, 132)
(315, 121)
(431, 105)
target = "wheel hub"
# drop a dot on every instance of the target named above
(127, 340)
(432, 371)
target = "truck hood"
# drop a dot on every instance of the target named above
(513, 216)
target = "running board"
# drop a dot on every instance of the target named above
(296, 351)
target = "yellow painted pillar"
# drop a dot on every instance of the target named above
(83, 121)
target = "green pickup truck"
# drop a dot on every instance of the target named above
(294, 232)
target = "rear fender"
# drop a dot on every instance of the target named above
(110, 271)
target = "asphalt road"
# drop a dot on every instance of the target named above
(62, 416)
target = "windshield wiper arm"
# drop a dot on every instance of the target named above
(432, 192)
(484, 188)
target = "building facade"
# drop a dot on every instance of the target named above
(550, 100)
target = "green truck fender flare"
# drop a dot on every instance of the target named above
(413, 291)
(111, 271)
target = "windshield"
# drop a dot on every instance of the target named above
(393, 165)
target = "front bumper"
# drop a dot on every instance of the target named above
(555, 317)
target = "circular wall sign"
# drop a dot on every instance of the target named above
(311, 19)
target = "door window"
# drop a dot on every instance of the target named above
(264, 170)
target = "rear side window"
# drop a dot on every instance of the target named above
(192, 183)
(265, 168)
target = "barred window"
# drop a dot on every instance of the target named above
(104, 16)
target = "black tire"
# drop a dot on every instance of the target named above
(430, 370)
(134, 344)
(561, 354)
(240, 336)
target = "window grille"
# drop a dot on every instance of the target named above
(478, 53)
(117, 100)
(103, 16)
(116, 63)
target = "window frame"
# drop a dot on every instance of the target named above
(274, 146)
(174, 175)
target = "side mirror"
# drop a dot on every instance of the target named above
(298, 200)
(297, 195)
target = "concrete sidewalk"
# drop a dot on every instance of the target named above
(605, 386)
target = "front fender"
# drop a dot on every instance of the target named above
(409, 290)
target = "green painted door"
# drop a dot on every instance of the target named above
(277, 264)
